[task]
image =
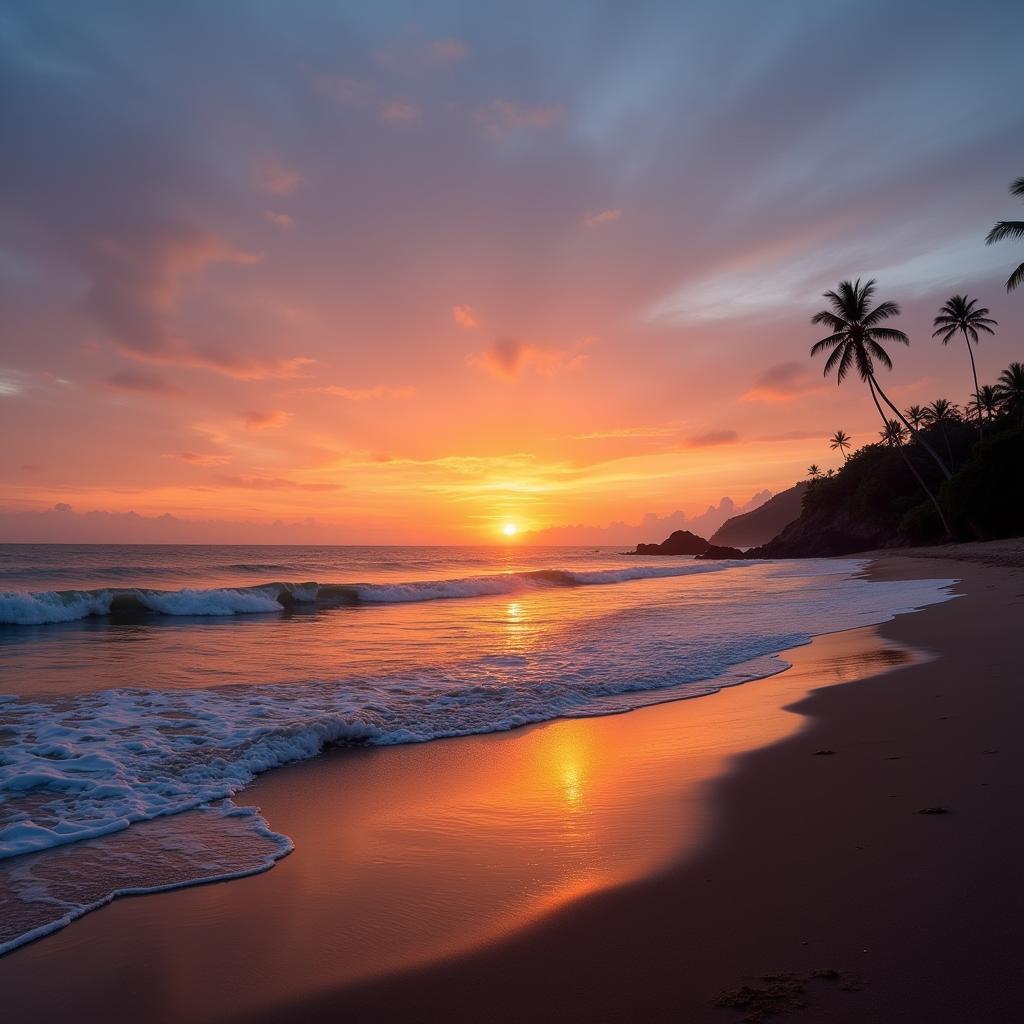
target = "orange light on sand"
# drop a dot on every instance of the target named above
(510, 529)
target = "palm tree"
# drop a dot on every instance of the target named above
(895, 436)
(894, 433)
(917, 415)
(1010, 229)
(942, 410)
(813, 471)
(1010, 388)
(986, 399)
(938, 414)
(840, 441)
(855, 342)
(959, 315)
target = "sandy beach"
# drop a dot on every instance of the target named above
(629, 867)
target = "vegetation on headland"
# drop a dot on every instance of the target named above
(938, 472)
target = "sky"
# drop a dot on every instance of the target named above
(409, 272)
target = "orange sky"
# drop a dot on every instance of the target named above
(404, 281)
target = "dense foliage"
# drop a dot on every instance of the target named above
(874, 499)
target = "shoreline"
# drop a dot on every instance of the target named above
(512, 945)
(902, 915)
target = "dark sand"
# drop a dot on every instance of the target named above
(617, 869)
(819, 863)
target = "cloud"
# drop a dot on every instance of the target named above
(272, 483)
(465, 316)
(362, 394)
(137, 277)
(344, 90)
(503, 117)
(713, 438)
(201, 458)
(601, 217)
(280, 220)
(231, 364)
(782, 383)
(273, 177)
(399, 112)
(143, 382)
(9, 387)
(266, 420)
(663, 430)
(508, 359)
(415, 56)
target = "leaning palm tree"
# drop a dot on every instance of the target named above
(856, 343)
(1010, 388)
(959, 316)
(986, 400)
(1010, 229)
(918, 416)
(840, 441)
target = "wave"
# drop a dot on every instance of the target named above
(34, 608)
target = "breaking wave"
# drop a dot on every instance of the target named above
(31, 608)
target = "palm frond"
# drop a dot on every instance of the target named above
(882, 311)
(830, 320)
(1016, 278)
(879, 353)
(834, 360)
(1005, 229)
(826, 343)
(889, 334)
(1017, 187)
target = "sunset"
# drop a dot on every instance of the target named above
(463, 462)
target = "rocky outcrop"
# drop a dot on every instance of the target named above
(825, 532)
(682, 542)
(764, 523)
(719, 551)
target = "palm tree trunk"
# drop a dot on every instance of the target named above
(974, 373)
(913, 469)
(917, 437)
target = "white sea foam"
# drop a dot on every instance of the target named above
(21, 608)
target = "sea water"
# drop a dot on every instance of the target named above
(143, 687)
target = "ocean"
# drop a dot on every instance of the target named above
(142, 688)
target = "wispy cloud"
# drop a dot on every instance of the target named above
(713, 438)
(143, 382)
(200, 458)
(274, 177)
(592, 220)
(508, 359)
(268, 420)
(280, 220)
(399, 112)
(783, 382)
(413, 56)
(503, 117)
(273, 483)
(362, 394)
(465, 316)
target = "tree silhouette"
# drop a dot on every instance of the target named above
(959, 315)
(1010, 229)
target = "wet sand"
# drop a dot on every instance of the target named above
(622, 868)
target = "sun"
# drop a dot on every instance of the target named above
(510, 529)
